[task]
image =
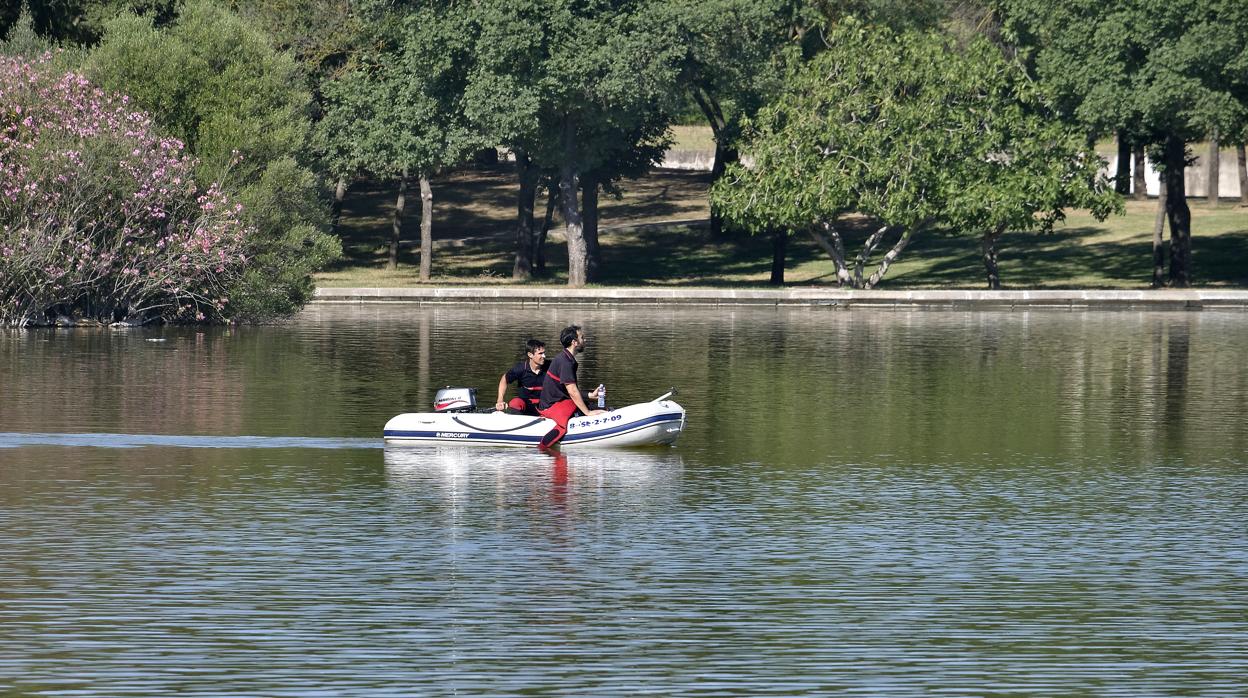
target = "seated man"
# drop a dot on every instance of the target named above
(561, 399)
(529, 374)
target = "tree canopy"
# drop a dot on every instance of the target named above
(912, 132)
(1167, 73)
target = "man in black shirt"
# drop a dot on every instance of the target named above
(561, 399)
(528, 374)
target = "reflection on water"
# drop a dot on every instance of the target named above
(569, 482)
(878, 503)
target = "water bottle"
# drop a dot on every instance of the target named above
(602, 396)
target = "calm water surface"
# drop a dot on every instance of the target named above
(891, 503)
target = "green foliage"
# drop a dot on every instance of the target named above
(607, 69)
(1152, 69)
(278, 278)
(215, 81)
(914, 132)
(21, 38)
(320, 34)
(735, 54)
(25, 41)
(1164, 74)
(399, 107)
(78, 22)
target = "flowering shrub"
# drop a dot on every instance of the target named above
(100, 217)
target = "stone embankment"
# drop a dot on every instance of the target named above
(1191, 299)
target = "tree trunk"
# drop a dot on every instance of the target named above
(1215, 171)
(578, 257)
(723, 157)
(988, 243)
(335, 210)
(1141, 162)
(539, 253)
(868, 247)
(779, 243)
(1178, 215)
(487, 157)
(522, 268)
(1122, 176)
(396, 225)
(894, 253)
(1159, 241)
(426, 228)
(589, 218)
(835, 250)
(1243, 174)
(724, 153)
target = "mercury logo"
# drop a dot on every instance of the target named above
(452, 435)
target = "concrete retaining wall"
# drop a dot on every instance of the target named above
(1197, 176)
(812, 297)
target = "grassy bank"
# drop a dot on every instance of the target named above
(656, 235)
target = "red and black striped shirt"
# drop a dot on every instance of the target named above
(530, 383)
(562, 371)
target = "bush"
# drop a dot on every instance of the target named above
(243, 109)
(278, 279)
(100, 216)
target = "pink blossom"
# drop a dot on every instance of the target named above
(80, 228)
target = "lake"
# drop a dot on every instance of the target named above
(863, 502)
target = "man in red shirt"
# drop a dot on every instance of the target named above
(528, 375)
(561, 399)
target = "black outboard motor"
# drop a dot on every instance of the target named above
(451, 399)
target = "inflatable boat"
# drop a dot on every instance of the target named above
(456, 420)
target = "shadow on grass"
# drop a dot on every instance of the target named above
(466, 210)
(1063, 259)
(474, 224)
(474, 219)
(688, 256)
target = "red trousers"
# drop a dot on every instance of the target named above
(560, 412)
(522, 406)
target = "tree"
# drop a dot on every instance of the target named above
(215, 82)
(734, 55)
(570, 86)
(915, 133)
(322, 35)
(1170, 73)
(79, 22)
(398, 112)
(21, 39)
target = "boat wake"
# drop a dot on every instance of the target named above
(18, 440)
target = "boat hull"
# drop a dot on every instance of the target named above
(642, 424)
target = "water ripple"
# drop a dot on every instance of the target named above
(864, 504)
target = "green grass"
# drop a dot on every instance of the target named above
(693, 138)
(656, 236)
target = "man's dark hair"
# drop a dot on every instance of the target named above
(533, 345)
(568, 335)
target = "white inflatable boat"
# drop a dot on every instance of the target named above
(456, 420)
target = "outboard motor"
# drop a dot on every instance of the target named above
(451, 399)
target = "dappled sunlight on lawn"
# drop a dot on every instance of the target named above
(656, 235)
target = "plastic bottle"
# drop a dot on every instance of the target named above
(602, 396)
